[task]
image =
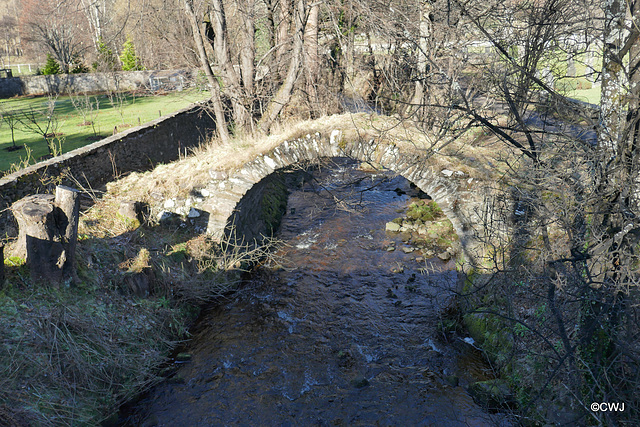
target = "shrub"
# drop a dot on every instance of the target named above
(78, 67)
(51, 66)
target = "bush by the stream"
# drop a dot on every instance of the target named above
(424, 210)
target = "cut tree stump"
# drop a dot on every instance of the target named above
(48, 234)
(34, 215)
(68, 202)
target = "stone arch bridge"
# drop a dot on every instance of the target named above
(460, 190)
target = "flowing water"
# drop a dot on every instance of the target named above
(343, 332)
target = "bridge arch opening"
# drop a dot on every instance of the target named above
(420, 222)
(456, 194)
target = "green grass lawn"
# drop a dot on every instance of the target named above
(70, 128)
(591, 96)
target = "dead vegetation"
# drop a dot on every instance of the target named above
(71, 356)
(468, 152)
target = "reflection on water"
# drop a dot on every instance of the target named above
(343, 333)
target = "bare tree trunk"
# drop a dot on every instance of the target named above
(422, 64)
(1, 265)
(94, 16)
(613, 75)
(272, 21)
(248, 50)
(247, 60)
(283, 95)
(232, 78)
(350, 49)
(221, 122)
(312, 62)
(285, 13)
(628, 151)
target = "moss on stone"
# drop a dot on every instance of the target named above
(424, 210)
(490, 332)
(273, 204)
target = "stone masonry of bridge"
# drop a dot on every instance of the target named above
(459, 191)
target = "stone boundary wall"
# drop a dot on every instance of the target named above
(96, 82)
(137, 149)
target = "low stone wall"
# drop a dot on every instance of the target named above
(137, 149)
(96, 82)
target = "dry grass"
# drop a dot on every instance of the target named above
(71, 356)
(471, 153)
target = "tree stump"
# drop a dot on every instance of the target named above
(34, 216)
(48, 234)
(68, 203)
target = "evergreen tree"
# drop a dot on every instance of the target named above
(77, 66)
(51, 66)
(107, 60)
(130, 61)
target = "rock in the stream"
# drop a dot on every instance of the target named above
(183, 357)
(360, 382)
(452, 380)
(444, 256)
(392, 226)
(164, 216)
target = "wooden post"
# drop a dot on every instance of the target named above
(48, 234)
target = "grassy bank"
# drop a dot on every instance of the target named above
(72, 355)
(75, 121)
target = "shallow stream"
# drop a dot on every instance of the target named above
(342, 331)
